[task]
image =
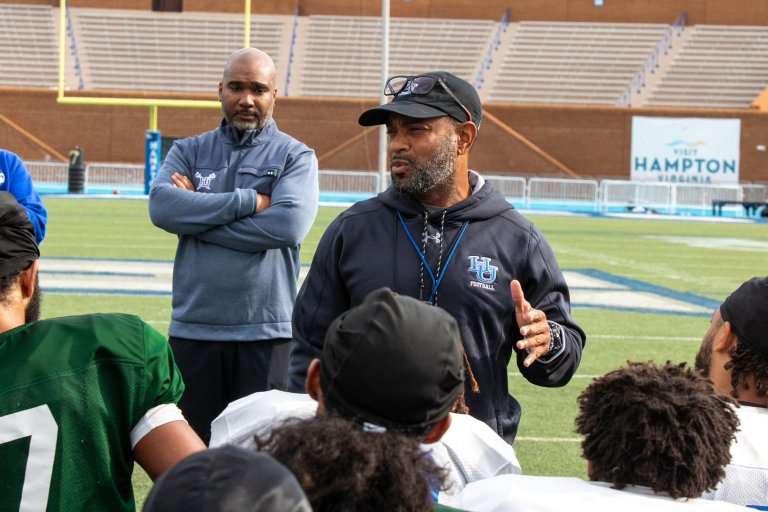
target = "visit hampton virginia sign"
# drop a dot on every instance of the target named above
(685, 150)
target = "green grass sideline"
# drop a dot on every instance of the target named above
(547, 444)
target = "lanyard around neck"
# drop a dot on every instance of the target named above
(435, 281)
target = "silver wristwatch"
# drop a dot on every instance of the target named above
(555, 339)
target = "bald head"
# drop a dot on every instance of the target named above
(251, 58)
(247, 89)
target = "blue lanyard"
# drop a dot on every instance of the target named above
(435, 283)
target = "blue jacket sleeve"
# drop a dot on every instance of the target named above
(183, 212)
(19, 183)
(545, 288)
(288, 219)
(321, 299)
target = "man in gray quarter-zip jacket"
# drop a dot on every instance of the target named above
(442, 234)
(241, 198)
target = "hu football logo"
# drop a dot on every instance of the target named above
(204, 181)
(2, 178)
(483, 270)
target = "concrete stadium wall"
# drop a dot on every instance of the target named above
(713, 12)
(592, 141)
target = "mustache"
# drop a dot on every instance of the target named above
(404, 158)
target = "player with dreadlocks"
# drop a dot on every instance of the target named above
(655, 438)
(734, 354)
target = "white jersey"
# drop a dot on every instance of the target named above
(469, 450)
(746, 477)
(518, 493)
(258, 414)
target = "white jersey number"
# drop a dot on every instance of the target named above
(37, 424)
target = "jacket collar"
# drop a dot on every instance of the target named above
(483, 204)
(250, 137)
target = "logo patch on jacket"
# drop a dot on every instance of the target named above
(2, 178)
(204, 181)
(437, 238)
(485, 273)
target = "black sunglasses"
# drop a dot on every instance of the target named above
(420, 85)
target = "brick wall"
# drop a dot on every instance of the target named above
(592, 141)
(712, 12)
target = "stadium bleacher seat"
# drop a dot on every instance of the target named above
(175, 52)
(339, 56)
(342, 54)
(719, 66)
(559, 62)
(27, 46)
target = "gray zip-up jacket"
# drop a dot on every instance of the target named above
(235, 274)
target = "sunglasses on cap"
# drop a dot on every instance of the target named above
(420, 85)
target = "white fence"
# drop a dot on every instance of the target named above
(674, 197)
(550, 193)
(52, 177)
(534, 193)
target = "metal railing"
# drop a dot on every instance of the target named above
(292, 51)
(673, 198)
(572, 194)
(652, 62)
(512, 187)
(345, 187)
(75, 53)
(492, 48)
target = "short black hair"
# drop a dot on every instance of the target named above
(6, 282)
(746, 365)
(661, 427)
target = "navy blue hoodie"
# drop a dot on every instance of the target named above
(486, 244)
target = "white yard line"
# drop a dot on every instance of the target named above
(577, 376)
(642, 338)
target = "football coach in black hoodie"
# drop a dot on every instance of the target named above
(442, 234)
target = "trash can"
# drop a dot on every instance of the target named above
(76, 182)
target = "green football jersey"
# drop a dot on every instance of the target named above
(71, 391)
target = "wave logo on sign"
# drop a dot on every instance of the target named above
(690, 145)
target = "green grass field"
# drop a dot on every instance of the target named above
(701, 258)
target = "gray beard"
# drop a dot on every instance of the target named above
(259, 123)
(436, 175)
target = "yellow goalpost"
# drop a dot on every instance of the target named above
(152, 155)
(152, 103)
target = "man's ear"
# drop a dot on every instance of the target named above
(221, 88)
(725, 340)
(312, 384)
(28, 280)
(438, 431)
(467, 132)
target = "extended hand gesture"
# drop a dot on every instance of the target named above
(533, 326)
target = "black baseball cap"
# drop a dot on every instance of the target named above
(437, 102)
(393, 362)
(18, 247)
(747, 311)
(227, 479)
